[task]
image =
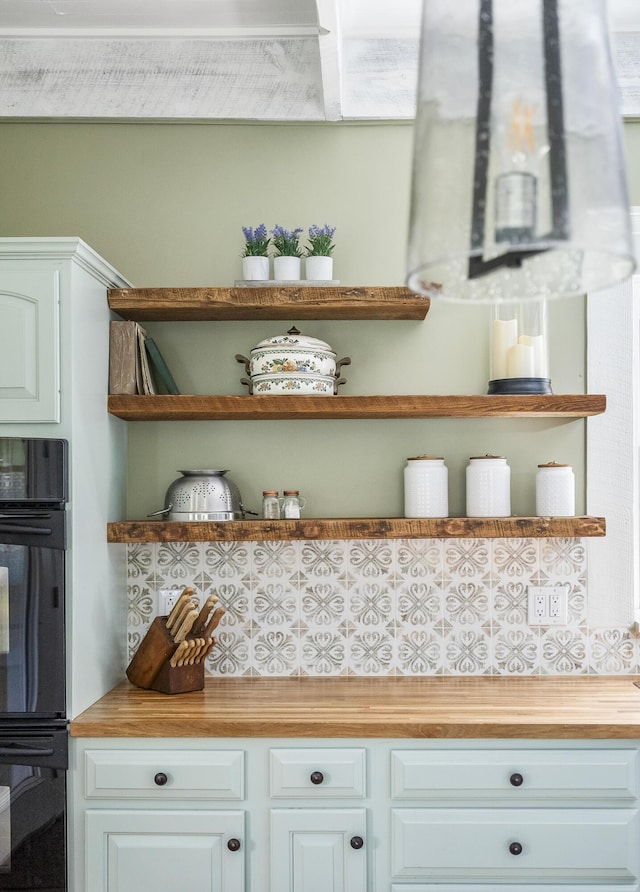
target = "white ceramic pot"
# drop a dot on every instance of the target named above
(292, 352)
(293, 363)
(318, 385)
(255, 269)
(319, 268)
(286, 269)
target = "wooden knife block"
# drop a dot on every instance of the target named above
(150, 669)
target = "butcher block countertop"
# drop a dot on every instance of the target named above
(597, 707)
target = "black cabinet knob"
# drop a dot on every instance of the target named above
(516, 780)
(317, 777)
(160, 779)
(357, 842)
(233, 844)
(515, 848)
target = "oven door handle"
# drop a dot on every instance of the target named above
(26, 515)
(18, 528)
(17, 750)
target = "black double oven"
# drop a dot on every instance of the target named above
(33, 718)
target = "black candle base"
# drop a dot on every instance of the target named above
(520, 385)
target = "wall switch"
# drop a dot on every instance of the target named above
(548, 605)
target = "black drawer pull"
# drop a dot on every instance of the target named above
(356, 842)
(515, 848)
(233, 845)
(317, 777)
(516, 780)
(160, 779)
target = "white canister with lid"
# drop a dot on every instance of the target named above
(555, 490)
(426, 487)
(488, 486)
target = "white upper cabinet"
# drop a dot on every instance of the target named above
(29, 345)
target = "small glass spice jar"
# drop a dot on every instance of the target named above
(555, 490)
(426, 487)
(292, 504)
(270, 504)
(488, 486)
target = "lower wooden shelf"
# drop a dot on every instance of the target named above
(357, 528)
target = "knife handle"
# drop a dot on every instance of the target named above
(183, 605)
(178, 654)
(218, 613)
(200, 623)
(185, 626)
(178, 606)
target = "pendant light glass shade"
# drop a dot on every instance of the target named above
(519, 187)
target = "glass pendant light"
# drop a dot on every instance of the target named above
(519, 189)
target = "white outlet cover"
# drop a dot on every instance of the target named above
(548, 605)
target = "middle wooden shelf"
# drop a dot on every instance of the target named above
(290, 407)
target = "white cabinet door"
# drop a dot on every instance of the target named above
(131, 850)
(318, 850)
(29, 346)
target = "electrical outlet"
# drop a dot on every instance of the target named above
(167, 598)
(548, 605)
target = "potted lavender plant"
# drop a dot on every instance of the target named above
(255, 257)
(286, 262)
(319, 262)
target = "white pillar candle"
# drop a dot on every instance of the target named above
(505, 335)
(539, 353)
(520, 360)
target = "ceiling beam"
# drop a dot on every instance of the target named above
(330, 46)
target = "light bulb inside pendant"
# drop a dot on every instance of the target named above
(519, 187)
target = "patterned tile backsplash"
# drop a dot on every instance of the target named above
(376, 607)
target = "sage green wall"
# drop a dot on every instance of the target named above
(164, 203)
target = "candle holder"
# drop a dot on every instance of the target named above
(519, 348)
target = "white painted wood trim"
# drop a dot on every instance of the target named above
(330, 46)
(63, 248)
(613, 441)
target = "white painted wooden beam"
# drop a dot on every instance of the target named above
(330, 46)
(263, 79)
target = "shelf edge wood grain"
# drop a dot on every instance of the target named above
(278, 302)
(130, 531)
(288, 407)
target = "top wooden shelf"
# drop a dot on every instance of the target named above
(273, 302)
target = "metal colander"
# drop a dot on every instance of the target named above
(202, 494)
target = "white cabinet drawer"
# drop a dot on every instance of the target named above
(317, 773)
(508, 887)
(515, 774)
(149, 774)
(560, 845)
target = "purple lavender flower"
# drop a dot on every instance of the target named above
(321, 241)
(286, 243)
(256, 241)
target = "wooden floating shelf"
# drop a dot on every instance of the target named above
(278, 302)
(357, 528)
(238, 408)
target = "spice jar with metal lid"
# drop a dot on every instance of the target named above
(488, 486)
(555, 490)
(426, 487)
(292, 504)
(270, 504)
